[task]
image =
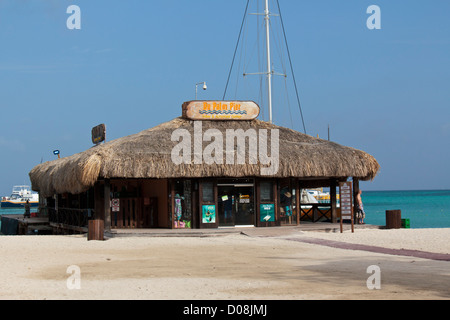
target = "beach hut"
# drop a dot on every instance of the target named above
(202, 170)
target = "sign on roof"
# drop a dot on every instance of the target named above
(220, 110)
(98, 133)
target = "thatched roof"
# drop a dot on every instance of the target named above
(147, 154)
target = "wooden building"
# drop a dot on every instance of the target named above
(206, 170)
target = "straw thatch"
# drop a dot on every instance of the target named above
(148, 155)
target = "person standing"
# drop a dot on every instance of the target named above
(27, 206)
(360, 214)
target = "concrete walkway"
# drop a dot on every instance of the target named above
(250, 231)
(375, 249)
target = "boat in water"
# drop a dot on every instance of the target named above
(19, 196)
(319, 195)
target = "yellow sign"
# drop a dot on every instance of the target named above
(220, 110)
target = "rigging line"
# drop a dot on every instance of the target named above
(288, 103)
(242, 55)
(237, 44)
(290, 62)
(248, 59)
(278, 45)
(237, 77)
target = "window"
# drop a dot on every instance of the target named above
(182, 204)
(266, 191)
(208, 192)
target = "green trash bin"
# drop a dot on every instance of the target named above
(406, 224)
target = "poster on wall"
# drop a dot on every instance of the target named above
(208, 214)
(115, 205)
(244, 198)
(267, 212)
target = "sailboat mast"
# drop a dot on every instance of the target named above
(269, 68)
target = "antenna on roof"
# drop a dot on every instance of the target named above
(56, 153)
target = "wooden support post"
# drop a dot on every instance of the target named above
(98, 203)
(297, 201)
(355, 193)
(172, 204)
(107, 205)
(333, 200)
(195, 207)
(276, 195)
(257, 203)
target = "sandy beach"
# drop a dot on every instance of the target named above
(234, 266)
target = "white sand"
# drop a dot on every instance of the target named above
(430, 240)
(227, 267)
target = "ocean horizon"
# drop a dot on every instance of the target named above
(424, 208)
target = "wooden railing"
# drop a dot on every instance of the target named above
(129, 214)
(315, 212)
(70, 217)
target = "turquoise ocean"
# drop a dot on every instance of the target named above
(19, 211)
(424, 208)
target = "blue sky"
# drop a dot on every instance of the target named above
(133, 63)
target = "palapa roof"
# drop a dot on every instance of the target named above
(147, 154)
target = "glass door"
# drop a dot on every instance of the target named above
(226, 206)
(244, 205)
(236, 204)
